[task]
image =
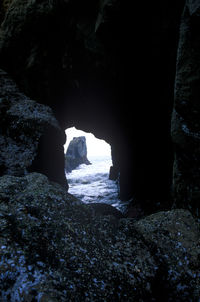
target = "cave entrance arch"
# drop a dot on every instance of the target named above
(95, 147)
(90, 181)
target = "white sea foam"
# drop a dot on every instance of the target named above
(91, 183)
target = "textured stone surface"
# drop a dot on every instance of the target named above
(175, 242)
(66, 54)
(76, 153)
(23, 125)
(4, 5)
(54, 248)
(193, 6)
(186, 114)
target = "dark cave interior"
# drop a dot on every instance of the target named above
(116, 81)
(128, 72)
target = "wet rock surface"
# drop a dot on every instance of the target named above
(54, 248)
(76, 153)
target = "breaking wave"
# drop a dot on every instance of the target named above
(91, 183)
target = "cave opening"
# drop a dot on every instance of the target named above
(89, 178)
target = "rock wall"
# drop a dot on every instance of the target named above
(25, 125)
(186, 113)
(76, 153)
(4, 5)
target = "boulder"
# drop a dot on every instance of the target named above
(76, 153)
(104, 209)
(173, 239)
(54, 248)
(25, 126)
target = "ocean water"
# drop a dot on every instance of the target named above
(91, 183)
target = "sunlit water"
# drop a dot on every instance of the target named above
(91, 183)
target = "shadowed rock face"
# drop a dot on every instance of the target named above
(25, 125)
(4, 5)
(186, 113)
(76, 153)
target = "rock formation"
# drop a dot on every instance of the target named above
(53, 248)
(3, 8)
(76, 153)
(68, 63)
(78, 58)
(26, 126)
(186, 113)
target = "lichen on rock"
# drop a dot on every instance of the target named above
(54, 248)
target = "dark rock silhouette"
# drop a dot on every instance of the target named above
(76, 57)
(76, 154)
(185, 126)
(27, 131)
(114, 173)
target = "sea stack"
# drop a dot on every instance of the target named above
(76, 154)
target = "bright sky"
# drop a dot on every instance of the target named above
(95, 146)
